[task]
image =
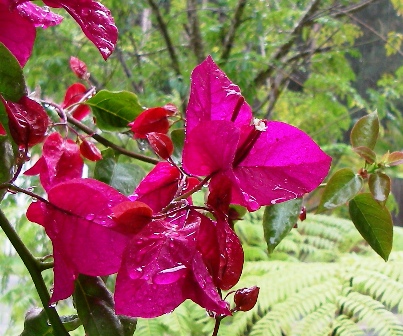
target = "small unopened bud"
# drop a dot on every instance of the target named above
(161, 144)
(363, 173)
(302, 214)
(246, 298)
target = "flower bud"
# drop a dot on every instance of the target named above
(246, 298)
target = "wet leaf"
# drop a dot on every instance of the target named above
(341, 187)
(367, 154)
(12, 84)
(365, 131)
(114, 110)
(122, 176)
(379, 185)
(278, 220)
(95, 307)
(178, 139)
(374, 222)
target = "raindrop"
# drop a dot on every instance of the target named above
(170, 275)
(135, 273)
(90, 217)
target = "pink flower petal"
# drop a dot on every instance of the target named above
(39, 16)
(214, 97)
(94, 19)
(162, 268)
(83, 236)
(16, 33)
(210, 147)
(61, 161)
(283, 164)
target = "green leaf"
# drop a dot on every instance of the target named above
(278, 220)
(114, 110)
(379, 185)
(365, 131)
(12, 84)
(36, 323)
(178, 139)
(374, 223)
(7, 159)
(367, 154)
(341, 187)
(95, 307)
(122, 176)
(129, 324)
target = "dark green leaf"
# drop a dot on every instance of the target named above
(114, 110)
(367, 154)
(122, 176)
(341, 187)
(379, 185)
(278, 220)
(12, 84)
(178, 139)
(36, 323)
(7, 159)
(374, 223)
(95, 307)
(129, 324)
(365, 131)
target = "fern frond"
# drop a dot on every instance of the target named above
(318, 323)
(370, 314)
(150, 327)
(344, 326)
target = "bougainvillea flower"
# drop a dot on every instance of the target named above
(162, 267)
(83, 233)
(90, 151)
(74, 94)
(18, 23)
(152, 120)
(267, 162)
(79, 68)
(161, 185)
(27, 121)
(20, 17)
(60, 161)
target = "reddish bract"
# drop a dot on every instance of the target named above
(2, 130)
(18, 22)
(131, 217)
(27, 121)
(79, 68)
(162, 267)
(246, 298)
(73, 95)
(161, 144)
(83, 234)
(90, 151)
(266, 162)
(60, 161)
(152, 120)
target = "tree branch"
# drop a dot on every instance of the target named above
(33, 268)
(196, 41)
(230, 37)
(164, 31)
(285, 48)
(126, 70)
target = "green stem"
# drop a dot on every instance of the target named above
(34, 270)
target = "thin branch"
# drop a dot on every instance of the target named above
(196, 41)
(126, 70)
(230, 37)
(34, 270)
(110, 144)
(353, 8)
(286, 47)
(164, 31)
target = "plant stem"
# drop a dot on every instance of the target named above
(217, 325)
(34, 270)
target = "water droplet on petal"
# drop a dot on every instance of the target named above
(135, 273)
(170, 275)
(90, 217)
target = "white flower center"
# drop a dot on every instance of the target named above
(259, 124)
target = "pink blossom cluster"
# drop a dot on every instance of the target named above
(164, 248)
